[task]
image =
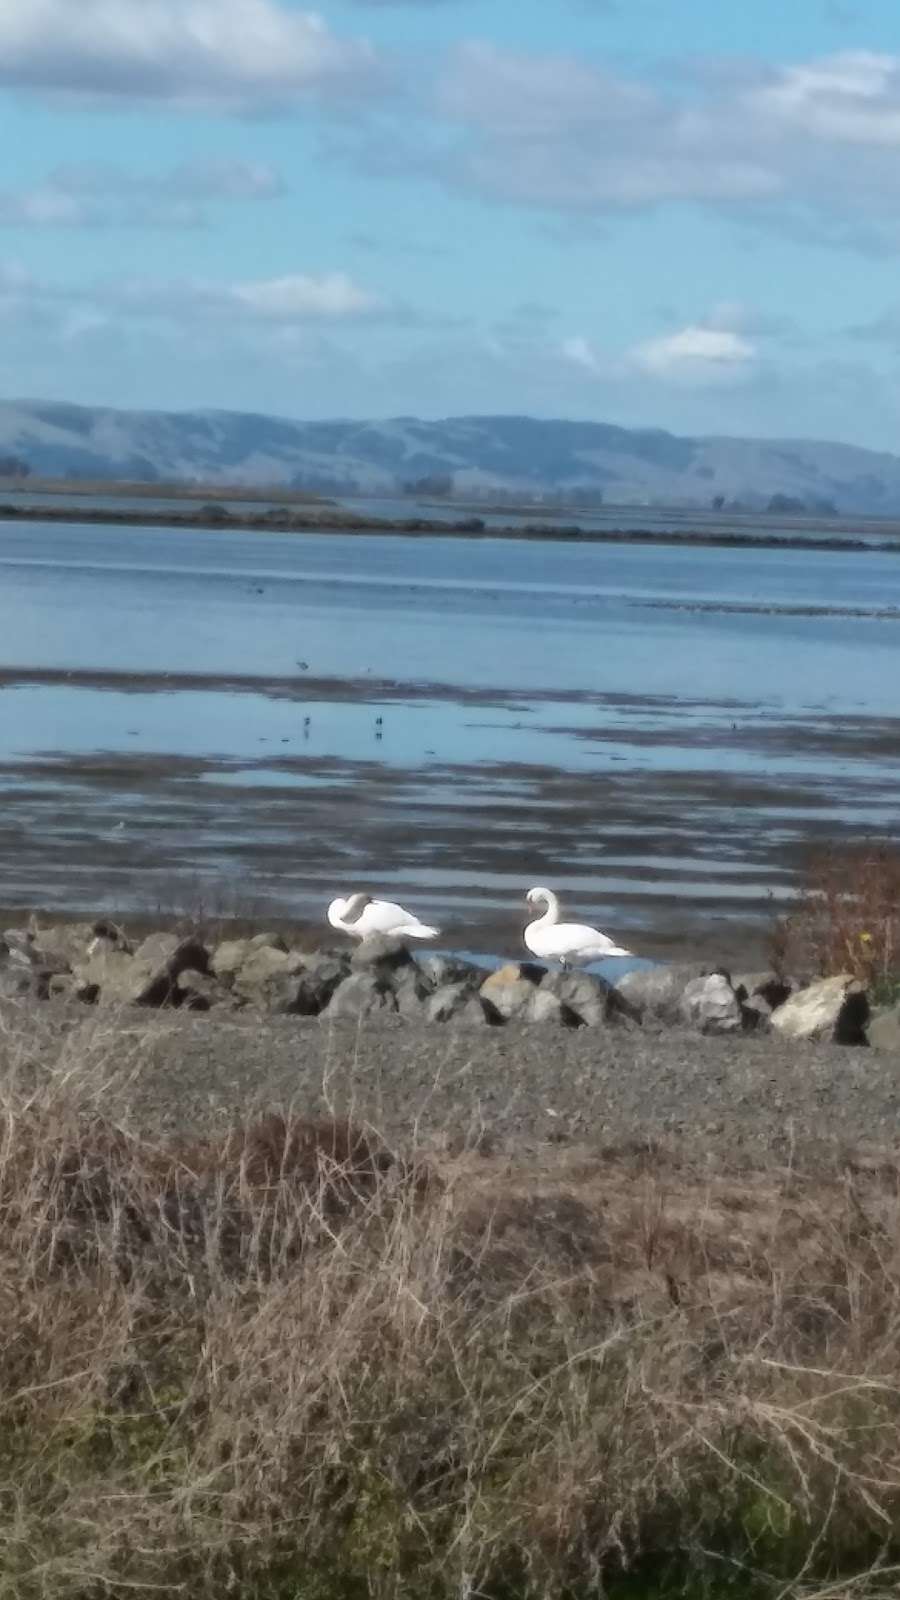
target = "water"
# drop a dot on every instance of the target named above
(448, 719)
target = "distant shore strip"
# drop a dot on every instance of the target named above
(217, 518)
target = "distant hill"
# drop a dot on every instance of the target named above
(470, 455)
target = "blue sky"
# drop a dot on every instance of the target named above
(669, 213)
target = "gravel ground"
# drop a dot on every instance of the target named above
(747, 1100)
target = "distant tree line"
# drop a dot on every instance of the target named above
(14, 467)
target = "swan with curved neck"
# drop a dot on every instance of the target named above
(361, 917)
(569, 943)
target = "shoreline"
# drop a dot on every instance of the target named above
(472, 527)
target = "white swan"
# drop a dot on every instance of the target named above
(569, 943)
(361, 916)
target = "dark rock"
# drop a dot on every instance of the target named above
(767, 986)
(711, 1005)
(657, 991)
(362, 995)
(756, 1013)
(832, 1008)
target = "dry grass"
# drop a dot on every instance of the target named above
(283, 1364)
(847, 919)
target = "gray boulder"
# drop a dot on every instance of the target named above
(67, 945)
(199, 991)
(382, 954)
(309, 992)
(269, 941)
(657, 991)
(508, 993)
(711, 1005)
(450, 1002)
(228, 958)
(884, 1029)
(835, 1008)
(547, 1008)
(260, 978)
(362, 995)
(439, 971)
(19, 948)
(594, 1002)
(148, 978)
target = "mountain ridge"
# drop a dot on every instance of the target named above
(469, 455)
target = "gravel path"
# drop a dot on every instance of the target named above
(743, 1100)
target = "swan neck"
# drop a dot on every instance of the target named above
(551, 912)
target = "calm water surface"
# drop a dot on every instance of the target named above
(645, 724)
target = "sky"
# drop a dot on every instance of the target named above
(659, 213)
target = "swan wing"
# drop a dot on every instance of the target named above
(572, 939)
(385, 916)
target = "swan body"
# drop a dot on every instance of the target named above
(569, 943)
(361, 916)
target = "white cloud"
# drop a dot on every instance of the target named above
(298, 298)
(581, 353)
(695, 353)
(808, 147)
(295, 300)
(102, 195)
(240, 55)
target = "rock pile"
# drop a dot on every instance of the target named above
(97, 964)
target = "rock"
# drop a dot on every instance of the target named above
(831, 1008)
(594, 1002)
(268, 941)
(509, 991)
(449, 1002)
(756, 1012)
(657, 991)
(412, 990)
(441, 971)
(547, 1007)
(767, 986)
(711, 1005)
(508, 1000)
(261, 976)
(229, 957)
(19, 947)
(362, 995)
(148, 978)
(381, 953)
(513, 972)
(307, 993)
(63, 946)
(200, 990)
(884, 1029)
(17, 982)
(65, 986)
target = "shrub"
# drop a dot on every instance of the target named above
(846, 919)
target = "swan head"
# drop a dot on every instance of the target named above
(539, 897)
